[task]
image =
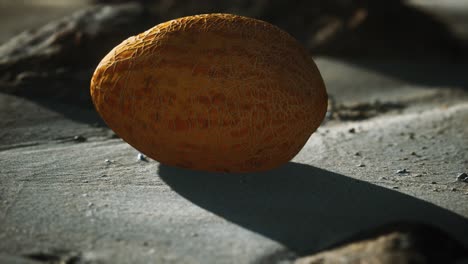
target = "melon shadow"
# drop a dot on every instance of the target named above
(305, 208)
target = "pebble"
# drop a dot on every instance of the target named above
(142, 157)
(113, 135)
(413, 153)
(357, 153)
(352, 130)
(402, 171)
(433, 182)
(361, 165)
(463, 177)
(109, 161)
(79, 139)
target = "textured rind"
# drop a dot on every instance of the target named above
(214, 92)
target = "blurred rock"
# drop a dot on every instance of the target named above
(59, 58)
(363, 28)
(411, 244)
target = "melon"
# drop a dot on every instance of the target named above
(212, 92)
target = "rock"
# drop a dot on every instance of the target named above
(336, 28)
(411, 244)
(361, 111)
(463, 177)
(59, 57)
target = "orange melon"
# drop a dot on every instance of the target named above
(214, 92)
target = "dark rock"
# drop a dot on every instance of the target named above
(337, 28)
(463, 177)
(55, 256)
(361, 111)
(79, 139)
(402, 171)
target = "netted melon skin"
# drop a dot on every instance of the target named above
(214, 92)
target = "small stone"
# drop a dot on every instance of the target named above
(90, 204)
(463, 177)
(79, 139)
(417, 175)
(108, 161)
(357, 153)
(402, 171)
(193, 234)
(453, 189)
(423, 147)
(84, 195)
(145, 244)
(361, 165)
(405, 158)
(352, 130)
(395, 187)
(113, 135)
(411, 135)
(85, 181)
(142, 157)
(413, 153)
(433, 182)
